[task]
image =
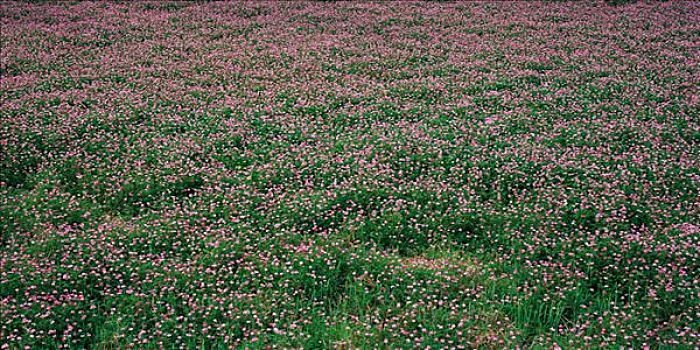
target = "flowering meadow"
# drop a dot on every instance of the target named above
(349, 175)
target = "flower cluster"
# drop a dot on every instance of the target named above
(349, 175)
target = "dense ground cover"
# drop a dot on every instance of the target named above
(349, 175)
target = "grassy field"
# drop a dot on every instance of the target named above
(349, 175)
